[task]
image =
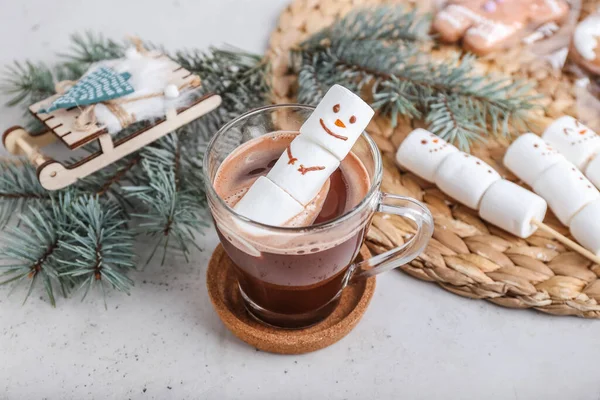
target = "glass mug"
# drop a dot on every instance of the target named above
(293, 277)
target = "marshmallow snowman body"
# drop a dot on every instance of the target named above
(585, 227)
(422, 152)
(267, 203)
(338, 121)
(465, 178)
(303, 169)
(565, 189)
(578, 143)
(512, 208)
(529, 156)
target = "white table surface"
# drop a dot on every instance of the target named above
(416, 341)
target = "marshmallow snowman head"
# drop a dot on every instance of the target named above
(529, 156)
(422, 152)
(575, 141)
(338, 121)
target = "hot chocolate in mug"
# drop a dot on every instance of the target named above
(293, 277)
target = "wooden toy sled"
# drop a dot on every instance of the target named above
(61, 125)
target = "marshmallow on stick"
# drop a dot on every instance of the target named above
(305, 166)
(500, 202)
(578, 143)
(476, 184)
(568, 192)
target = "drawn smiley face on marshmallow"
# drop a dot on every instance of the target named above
(574, 140)
(338, 121)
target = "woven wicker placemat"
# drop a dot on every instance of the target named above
(466, 256)
(225, 296)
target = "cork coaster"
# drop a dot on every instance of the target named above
(225, 296)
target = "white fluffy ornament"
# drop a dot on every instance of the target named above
(150, 77)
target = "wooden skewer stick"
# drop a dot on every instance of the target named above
(566, 241)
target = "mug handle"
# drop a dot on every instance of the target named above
(407, 208)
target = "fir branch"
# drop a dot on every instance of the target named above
(387, 23)
(28, 83)
(240, 78)
(88, 48)
(32, 250)
(19, 189)
(74, 242)
(172, 195)
(98, 245)
(364, 50)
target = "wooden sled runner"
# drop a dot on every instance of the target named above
(61, 125)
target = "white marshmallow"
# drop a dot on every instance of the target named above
(290, 174)
(575, 141)
(465, 178)
(592, 171)
(267, 203)
(566, 190)
(422, 152)
(338, 121)
(512, 208)
(585, 227)
(529, 156)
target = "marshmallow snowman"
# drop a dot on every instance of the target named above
(585, 227)
(422, 152)
(305, 166)
(465, 178)
(303, 169)
(529, 156)
(338, 121)
(565, 189)
(575, 141)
